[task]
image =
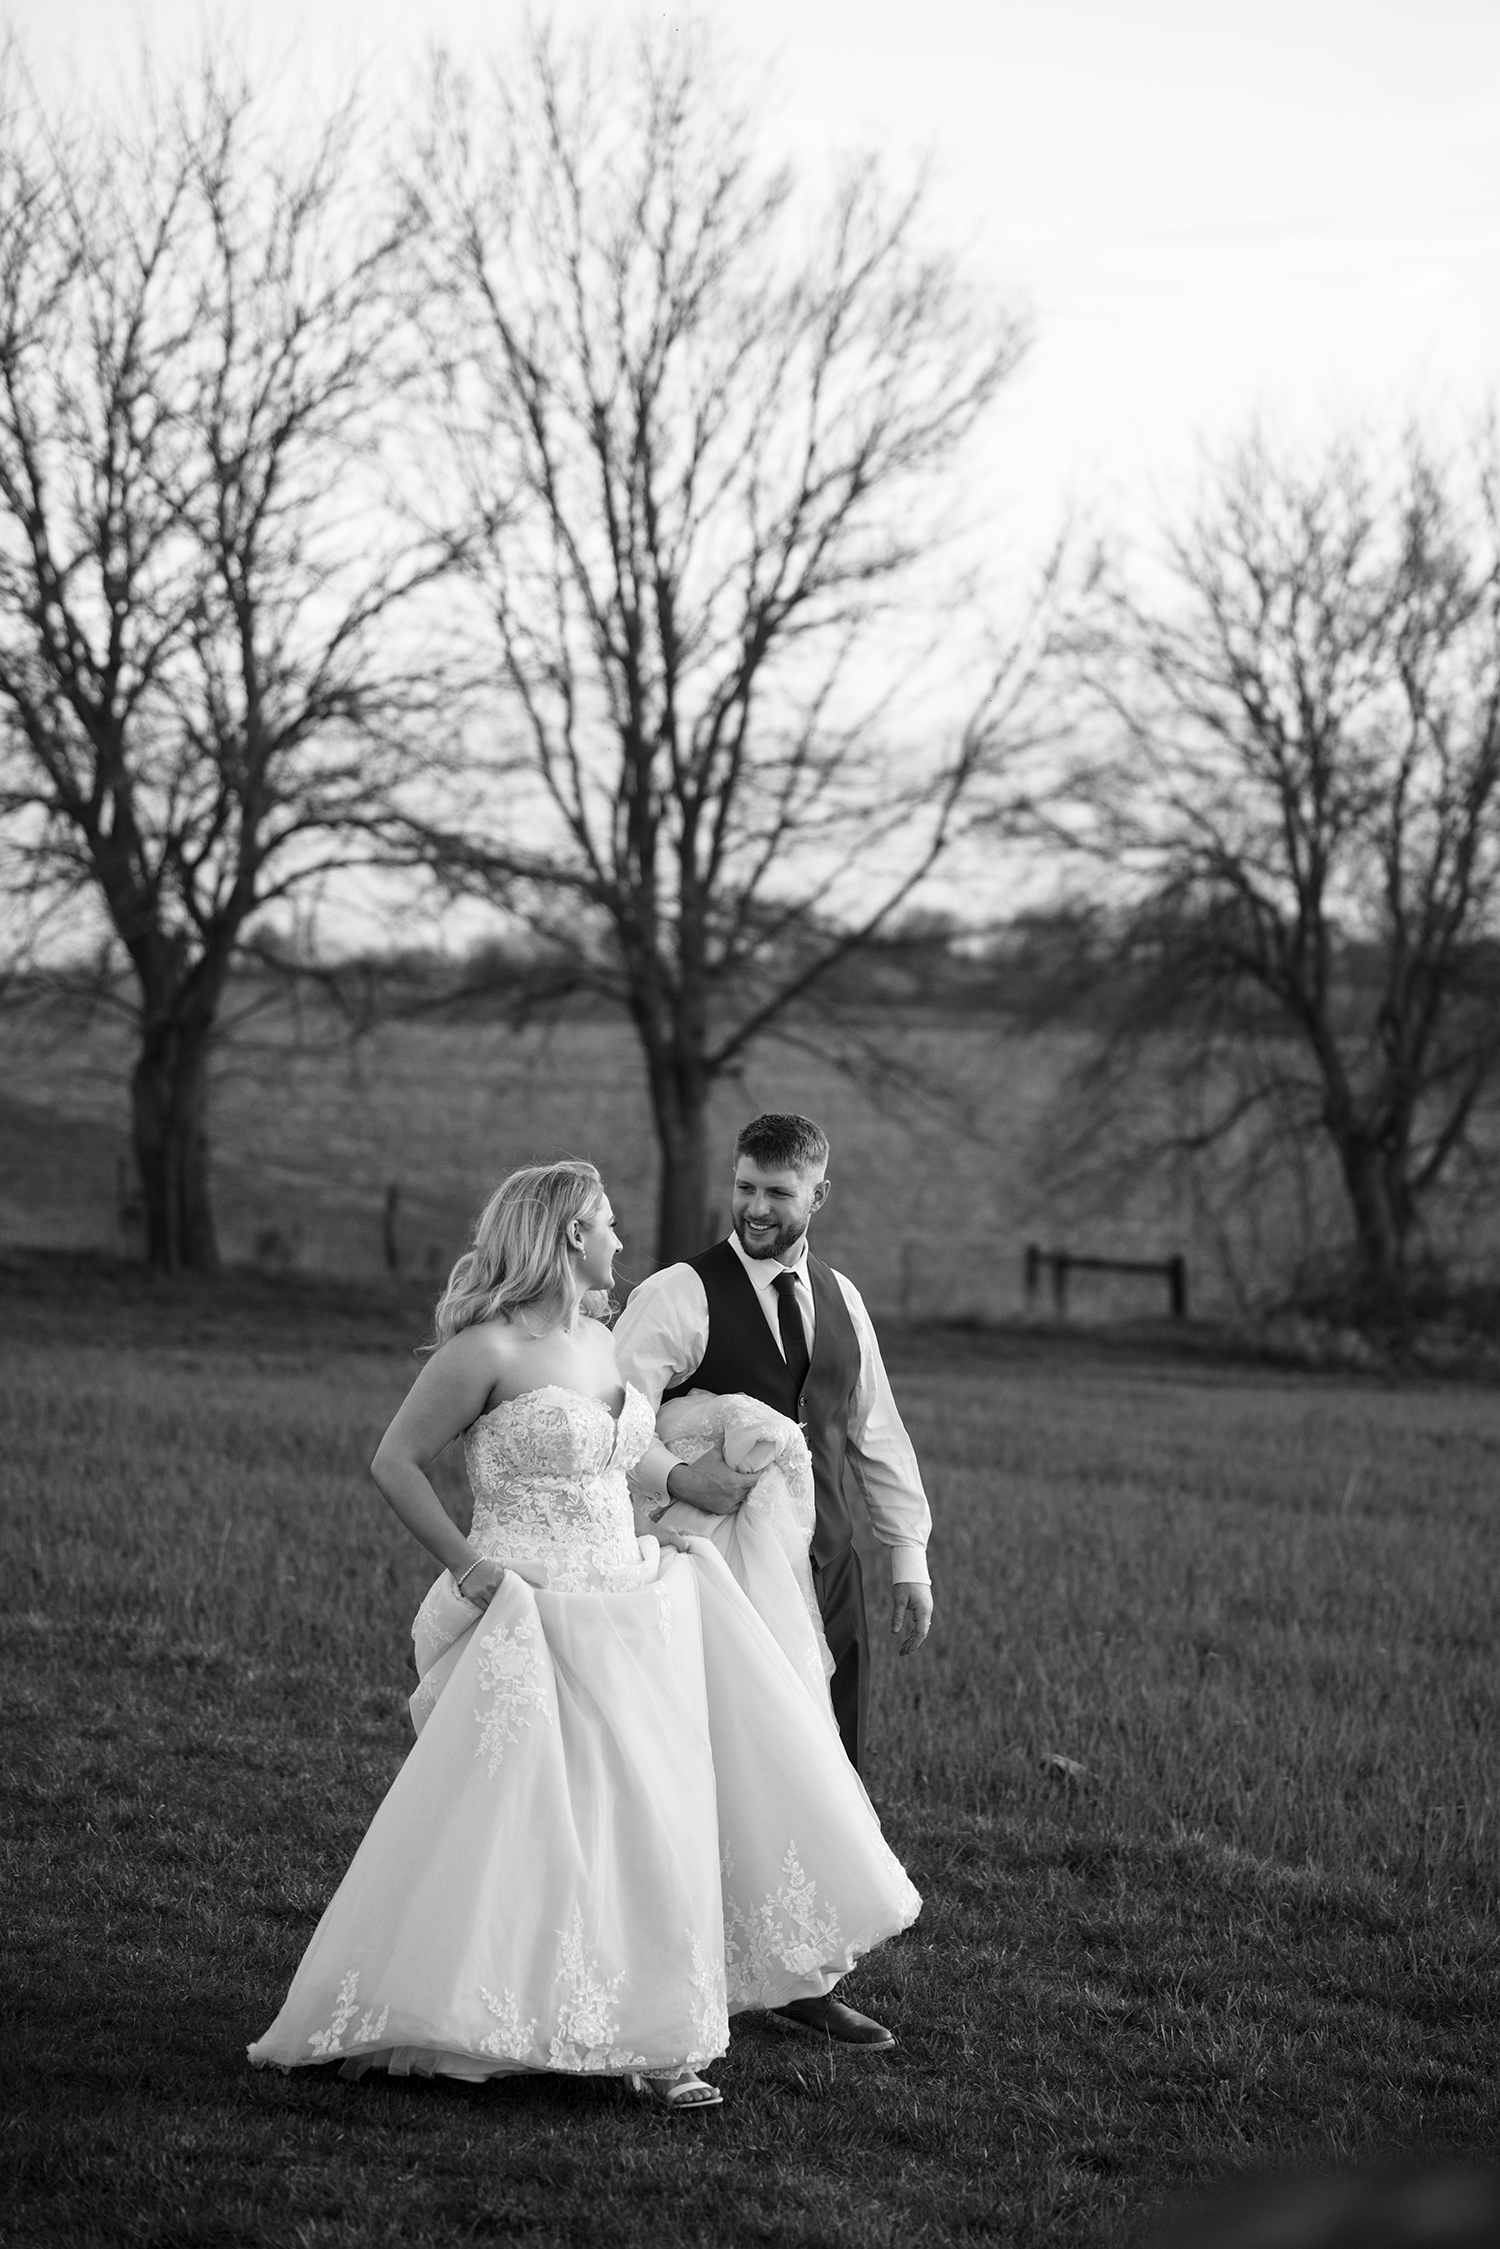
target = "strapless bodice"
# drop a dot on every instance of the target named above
(547, 1471)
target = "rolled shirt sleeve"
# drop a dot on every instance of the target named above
(660, 1339)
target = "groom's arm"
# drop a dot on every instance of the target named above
(662, 1334)
(660, 1339)
(885, 1468)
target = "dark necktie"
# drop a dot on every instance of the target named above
(793, 1333)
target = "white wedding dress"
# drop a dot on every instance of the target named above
(768, 1538)
(621, 1820)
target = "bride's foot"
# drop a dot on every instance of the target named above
(682, 2089)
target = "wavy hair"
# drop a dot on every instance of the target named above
(518, 1255)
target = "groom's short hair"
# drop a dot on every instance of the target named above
(783, 1143)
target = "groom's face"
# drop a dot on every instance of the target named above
(771, 1209)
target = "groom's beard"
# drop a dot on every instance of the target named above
(772, 1244)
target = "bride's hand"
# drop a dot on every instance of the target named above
(666, 1535)
(484, 1581)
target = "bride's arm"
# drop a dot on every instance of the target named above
(450, 1392)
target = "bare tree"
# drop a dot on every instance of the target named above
(1300, 798)
(707, 428)
(201, 662)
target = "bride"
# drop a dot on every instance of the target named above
(621, 1818)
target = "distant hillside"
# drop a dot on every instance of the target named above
(937, 1175)
(941, 1175)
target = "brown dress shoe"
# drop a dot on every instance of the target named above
(830, 2018)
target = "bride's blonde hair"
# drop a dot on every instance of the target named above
(518, 1257)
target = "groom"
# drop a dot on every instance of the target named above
(760, 1314)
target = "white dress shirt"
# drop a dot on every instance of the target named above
(660, 1339)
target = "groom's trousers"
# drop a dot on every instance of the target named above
(840, 1588)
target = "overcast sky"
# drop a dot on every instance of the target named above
(1213, 207)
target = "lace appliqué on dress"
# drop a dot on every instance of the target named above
(664, 1615)
(785, 1931)
(795, 1463)
(710, 2007)
(587, 2016)
(547, 1471)
(512, 2040)
(326, 2043)
(512, 1673)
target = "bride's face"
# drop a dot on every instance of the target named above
(595, 1245)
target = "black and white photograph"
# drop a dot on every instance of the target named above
(750, 1124)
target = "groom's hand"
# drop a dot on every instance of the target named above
(710, 1483)
(912, 1608)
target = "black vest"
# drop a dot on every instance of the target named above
(742, 1354)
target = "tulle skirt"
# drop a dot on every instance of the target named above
(622, 1821)
(766, 1539)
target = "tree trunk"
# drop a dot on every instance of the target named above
(679, 1102)
(1379, 1234)
(169, 1100)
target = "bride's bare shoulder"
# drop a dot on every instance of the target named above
(479, 1368)
(485, 1343)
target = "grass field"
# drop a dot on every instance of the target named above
(1260, 1931)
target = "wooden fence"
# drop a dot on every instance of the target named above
(1062, 1264)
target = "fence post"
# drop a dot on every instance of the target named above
(129, 1205)
(388, 1229)
(1177, 1284)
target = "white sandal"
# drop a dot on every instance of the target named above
(687, 2090)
